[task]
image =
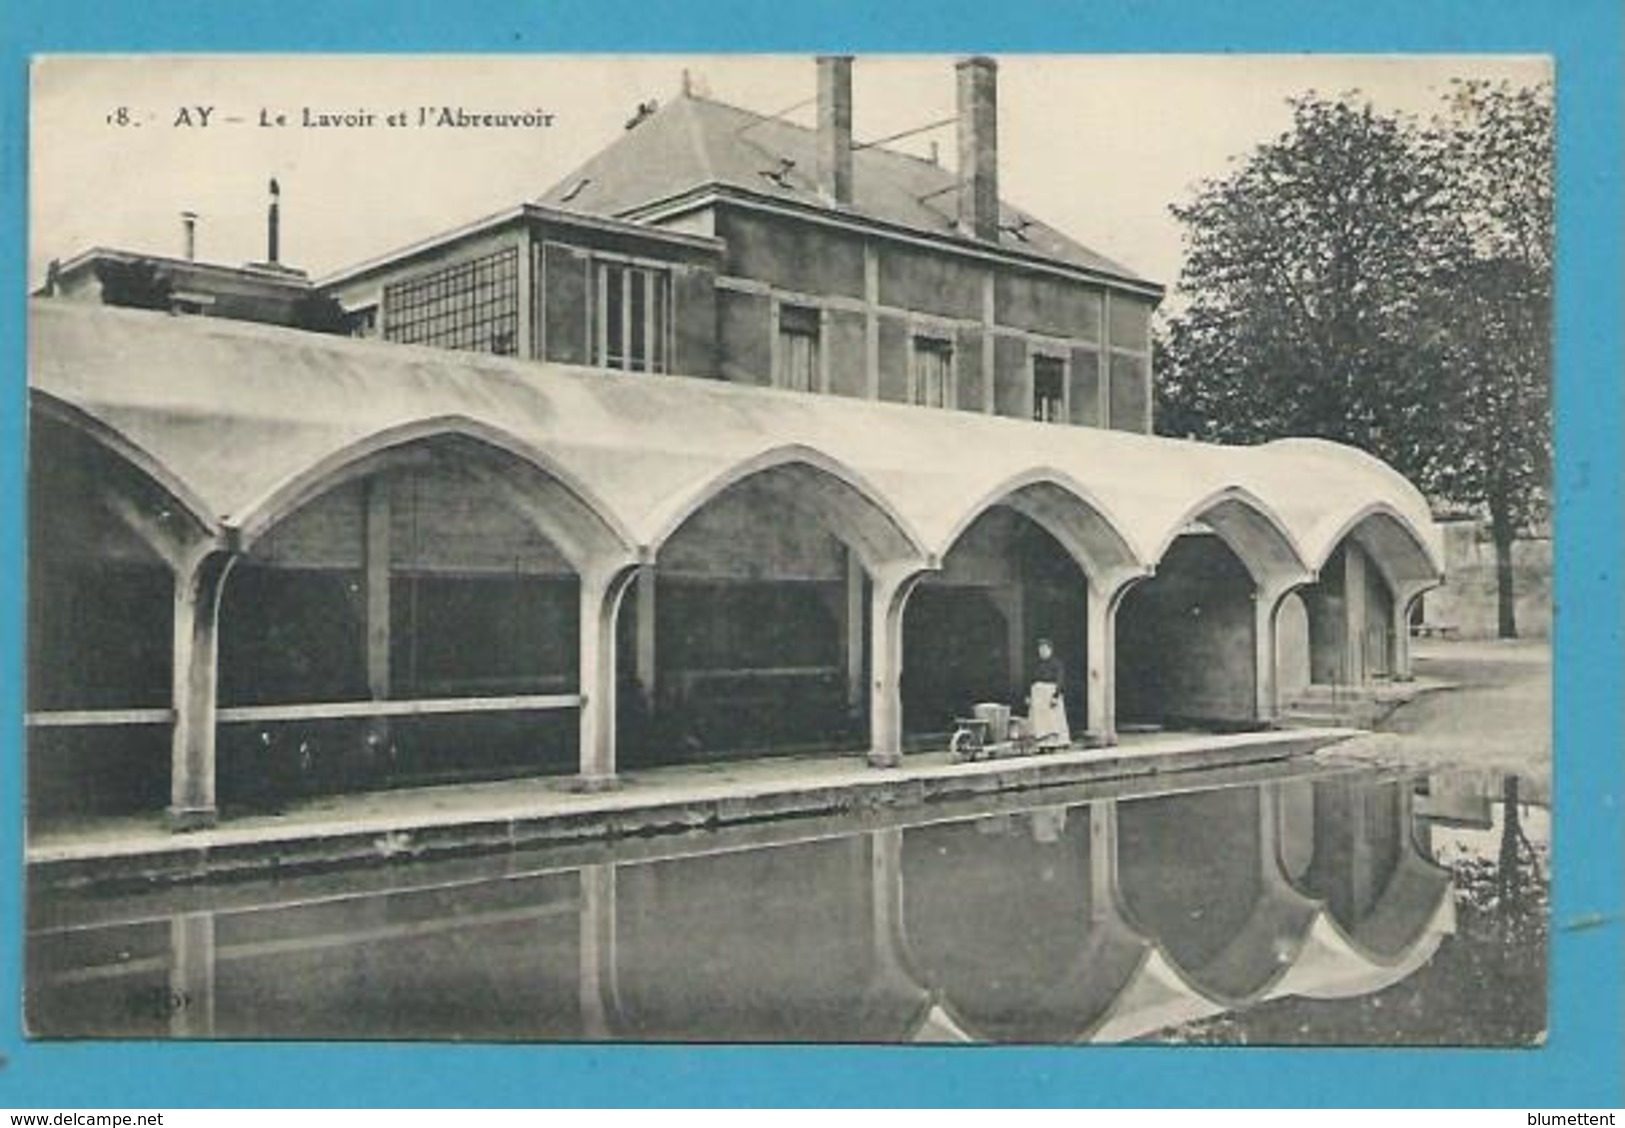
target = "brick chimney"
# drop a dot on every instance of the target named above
(979, 147)
(835, 127)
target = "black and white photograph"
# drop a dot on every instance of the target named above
(979, 548)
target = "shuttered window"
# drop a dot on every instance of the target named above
(932, 372)
(798, 349)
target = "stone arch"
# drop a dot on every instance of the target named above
(443, 561)
(1253, 530)
(561, 507)
(1394, 543)
(1373, 568)
(851, 507)
(111, 534)
(745, 608)
(1036, 556)
(155, 501)
(1060, 505)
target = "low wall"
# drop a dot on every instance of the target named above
(1467, 601)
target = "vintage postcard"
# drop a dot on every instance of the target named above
(1035, 549)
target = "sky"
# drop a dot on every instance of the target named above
(1098, 146)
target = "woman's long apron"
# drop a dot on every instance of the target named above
(1047, 715)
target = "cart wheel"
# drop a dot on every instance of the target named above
(966, 744)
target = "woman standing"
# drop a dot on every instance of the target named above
(1046, 702)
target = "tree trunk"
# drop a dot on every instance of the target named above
(1502, 531)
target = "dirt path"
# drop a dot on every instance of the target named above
(1498, 716)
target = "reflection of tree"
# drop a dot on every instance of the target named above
(1485, 986)
(1509, 871)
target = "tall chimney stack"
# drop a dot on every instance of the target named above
(273, 223)
(979, 147)
(835, 127)
(189, 226)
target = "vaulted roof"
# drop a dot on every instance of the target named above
(239, 420)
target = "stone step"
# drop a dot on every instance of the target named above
(1323, 720)
(1294, 722)
(1338, 692)
(1355, 714)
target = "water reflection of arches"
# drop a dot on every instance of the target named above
(1028, 953)
(736, 949)
(1032, 926)
(1159, 936)
(1054, 924)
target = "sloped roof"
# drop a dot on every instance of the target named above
(232, 416)
(692, 143)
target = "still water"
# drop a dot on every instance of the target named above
(1351, 906)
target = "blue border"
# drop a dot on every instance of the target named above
(1581, 1065)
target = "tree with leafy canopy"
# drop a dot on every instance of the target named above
(135, 284)
(1355, 279)
(319, 312)
(1495, 142)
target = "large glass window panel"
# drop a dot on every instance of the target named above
(1049, 389)
(632, 318)
(471, 305)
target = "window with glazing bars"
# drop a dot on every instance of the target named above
(632, 318)
(932, 373)
(1049, 389)
(798, 348)
(470, 305)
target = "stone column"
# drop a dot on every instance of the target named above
(601, 592)
(645, 666)
(198, 586)
(888, 594)
(1267, 600)
(1405, 597)
(852, 628)
(1100, 675)
(1400, 667)
(375, 555)
(1355, 669)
